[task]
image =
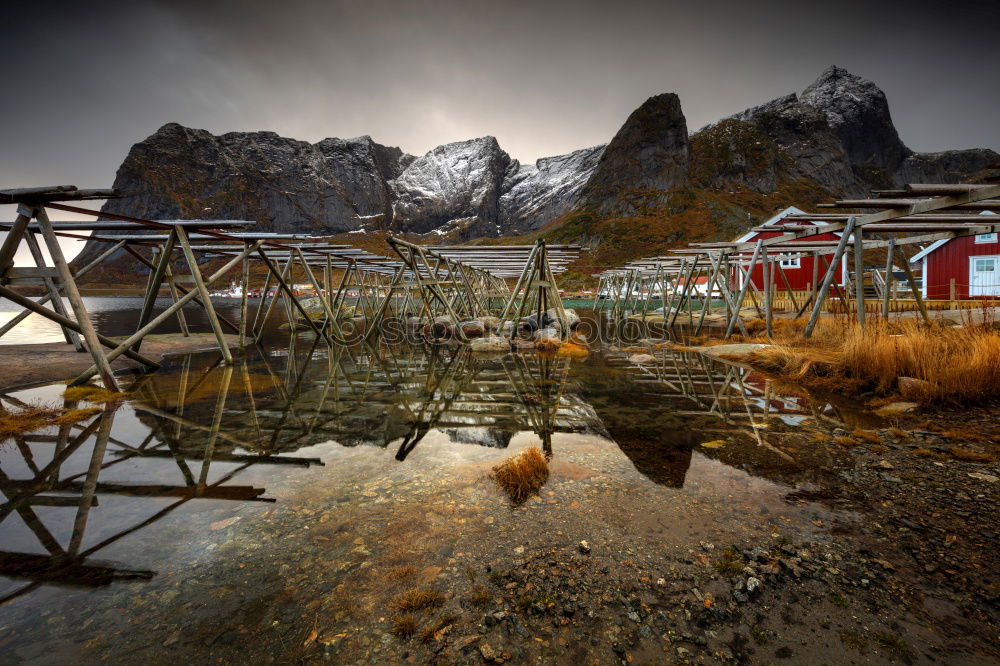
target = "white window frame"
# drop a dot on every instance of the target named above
(791, 263)
(982, 239)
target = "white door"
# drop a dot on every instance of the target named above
(984, 276)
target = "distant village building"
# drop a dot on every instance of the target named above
(961, 268)
(799, 271)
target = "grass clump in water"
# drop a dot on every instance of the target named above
(92, 394)
(419, 599)
(523, 475)
(77, 415)
(26, 420)
(404, 626)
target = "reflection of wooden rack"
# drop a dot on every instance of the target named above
(71, 564)
(376, 394)
(706, 386)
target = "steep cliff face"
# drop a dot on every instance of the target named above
(457, 183)
(759, 149)
(536, 194)
(282, 183)
(474, 189)
(362, 169)
(648, 157)
(838, 133)
(858, 114)
(949, 166)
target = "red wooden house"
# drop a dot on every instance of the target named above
(961, 268)
(799, 271)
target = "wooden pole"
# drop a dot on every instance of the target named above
(44, 299)
(788, 287)
(244, 305)
(828, 278)
(126, 346)
(57, 304)
(888, 278)
(174, 296)
(859, 275)
(103, 365)
(291, 296)
(197, 301)
(913, 285)
(768, 273)
(257, 331)
(33, 307)
(713, 277)
(199, 284)
(155, 280)
(686, 292)
(13, 239)
(743, 289)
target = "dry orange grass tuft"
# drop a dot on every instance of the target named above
(77, 415)
(547, 345)
(92, 394)
(867, 436)
(969, 456)
(401, 572)
(404, 626)
(966, 435)
(572, 350)
(523, 475)
(953, 364)
(26, 420)
(929, 453)
(419, 599)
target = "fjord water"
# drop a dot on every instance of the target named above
(264, 509)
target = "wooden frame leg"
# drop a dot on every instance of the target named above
(76, 302)
(199, 283)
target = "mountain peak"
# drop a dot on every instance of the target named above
(858, 113)
(649, 153)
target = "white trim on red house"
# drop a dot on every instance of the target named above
(791, 210)
(936, 244)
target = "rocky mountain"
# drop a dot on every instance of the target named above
(457, 184)
(654, 186)
(648, 157)
(838, 133)
(536, 194)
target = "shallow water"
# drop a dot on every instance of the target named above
(111, 316)
(228, 508)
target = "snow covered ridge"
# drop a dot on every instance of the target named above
(477, 179)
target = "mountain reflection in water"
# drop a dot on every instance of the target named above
(190, 431)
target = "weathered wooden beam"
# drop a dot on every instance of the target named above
(889, 277)
(206, 297)
(159, 319)
(86, 327)
(827, 279)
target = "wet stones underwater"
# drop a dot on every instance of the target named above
(377, 503)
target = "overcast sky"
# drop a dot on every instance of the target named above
(86, 80)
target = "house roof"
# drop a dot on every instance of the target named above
(938, 243)
(774, 222)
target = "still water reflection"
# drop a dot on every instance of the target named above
(137, 492)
